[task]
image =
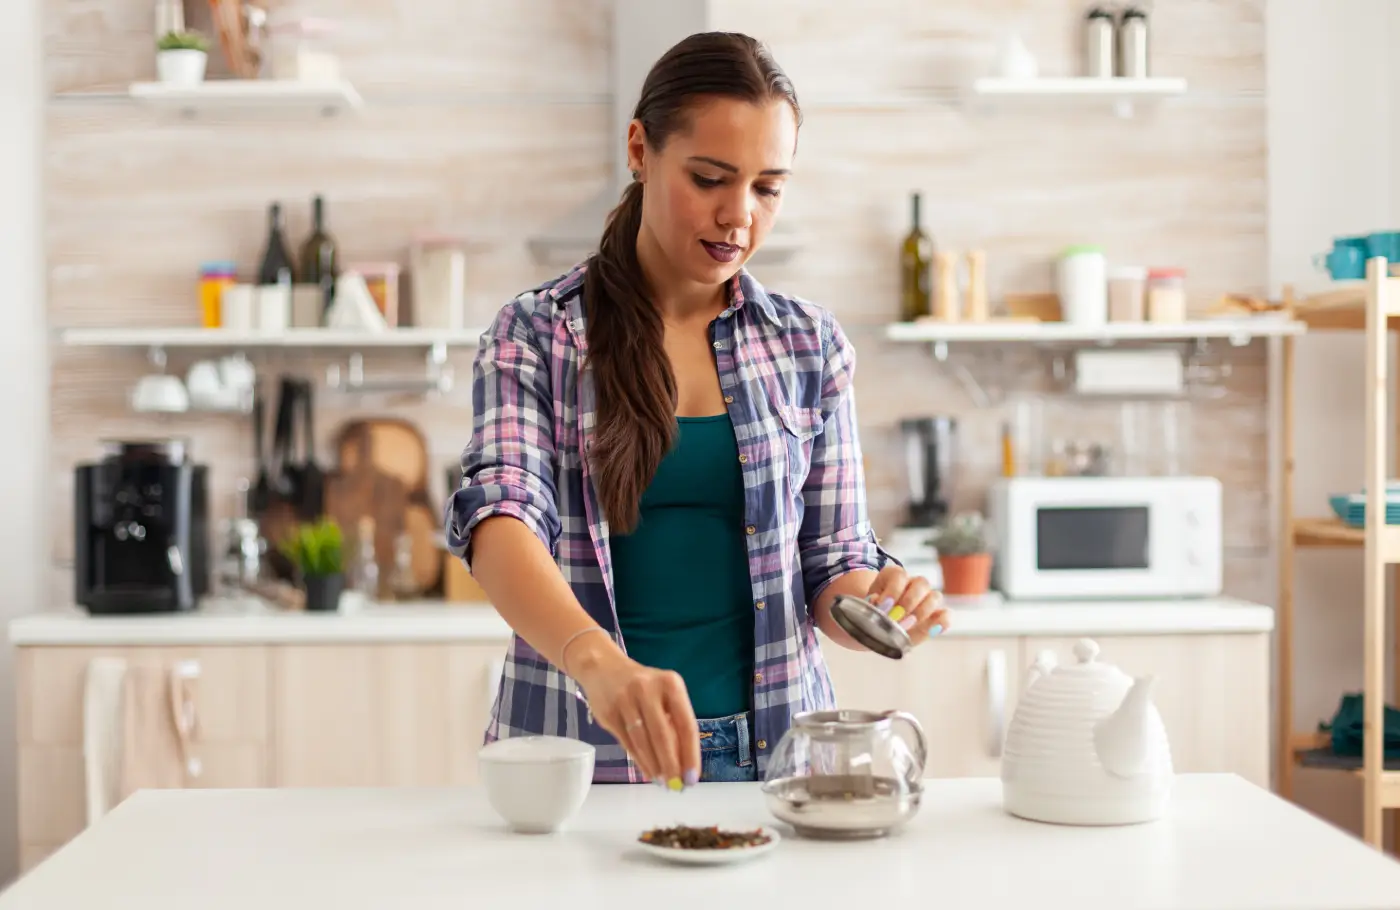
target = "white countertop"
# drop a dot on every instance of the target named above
(1227, 845)
(253, 621)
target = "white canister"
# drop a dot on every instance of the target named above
(439, 269)
(274, 307)
(1083, 285)
(238, 308)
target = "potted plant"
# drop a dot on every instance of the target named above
(181, 58)
(317, 550)
(965, 555)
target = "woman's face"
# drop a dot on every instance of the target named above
(713, 192)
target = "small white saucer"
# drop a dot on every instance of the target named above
(688, 857)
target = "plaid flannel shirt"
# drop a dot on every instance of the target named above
(785, 368)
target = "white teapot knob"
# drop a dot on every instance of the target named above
(1086, 649)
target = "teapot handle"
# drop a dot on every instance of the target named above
(920, 742)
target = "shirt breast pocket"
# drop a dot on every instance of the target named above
(799, 427)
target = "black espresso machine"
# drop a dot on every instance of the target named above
(141, 527)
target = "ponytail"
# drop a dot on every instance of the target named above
(636, 390)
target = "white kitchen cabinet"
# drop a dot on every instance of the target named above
(961, 690)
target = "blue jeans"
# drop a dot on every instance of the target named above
(726, 753)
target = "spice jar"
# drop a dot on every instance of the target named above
(1166, 295)
(1127, 293)
(213, 278)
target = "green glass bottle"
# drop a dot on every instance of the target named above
(916, 270)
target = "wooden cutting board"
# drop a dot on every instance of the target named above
(383, 474)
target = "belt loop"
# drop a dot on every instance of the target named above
(741, 729)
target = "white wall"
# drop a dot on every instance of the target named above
(1334, 122)
(23, 371)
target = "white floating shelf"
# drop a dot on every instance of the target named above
(1080, 87)
(256, 94)
(1237, 330)
(291, 338)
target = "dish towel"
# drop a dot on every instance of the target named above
(102, 750)
(139, 729)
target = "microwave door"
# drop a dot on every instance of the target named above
(1090, 550)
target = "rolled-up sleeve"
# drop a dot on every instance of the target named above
(836, 536)
(508, 466)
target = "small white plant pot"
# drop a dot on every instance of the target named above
(181, 67)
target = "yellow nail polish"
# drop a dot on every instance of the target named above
(897, 613)
(674, 783)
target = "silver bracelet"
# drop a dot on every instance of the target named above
(564, 651)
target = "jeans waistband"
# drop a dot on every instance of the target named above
(732, 732)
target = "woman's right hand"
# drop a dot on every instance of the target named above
(648, 711)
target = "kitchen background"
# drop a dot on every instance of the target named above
(492, 122)
(1284, 140)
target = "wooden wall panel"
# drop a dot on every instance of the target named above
(491, 120)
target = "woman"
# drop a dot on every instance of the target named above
(663, 493)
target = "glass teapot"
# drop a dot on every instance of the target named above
(847, 773)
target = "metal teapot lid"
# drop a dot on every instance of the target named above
(869, 626)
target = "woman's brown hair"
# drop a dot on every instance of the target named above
(635, 386)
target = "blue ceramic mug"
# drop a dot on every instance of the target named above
(1347, 259)
(1385, 244)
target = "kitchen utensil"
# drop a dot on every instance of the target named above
(847, 774)
(1133, 44)
(929, 456)
(871, 626)
(1098, 43)
(1086, 745)
(536, 783)
(312, 483)
(260, 496)
(712, 857)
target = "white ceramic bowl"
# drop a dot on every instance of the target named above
(536, 783)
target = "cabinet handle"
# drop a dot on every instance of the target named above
(996, 701)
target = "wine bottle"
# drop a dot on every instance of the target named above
(916, 269)
(318, 251)
(276, 266)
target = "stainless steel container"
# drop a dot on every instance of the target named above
(1098, 44)
(1132, 44)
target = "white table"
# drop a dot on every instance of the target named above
(1227, 846)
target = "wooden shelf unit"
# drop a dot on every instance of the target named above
(1372, 307)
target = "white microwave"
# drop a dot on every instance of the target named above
(1105, 537)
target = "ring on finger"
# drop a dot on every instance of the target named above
(634, 723)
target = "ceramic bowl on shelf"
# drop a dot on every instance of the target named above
(536, 783)
(1351, 507)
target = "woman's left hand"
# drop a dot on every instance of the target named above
(911, 601)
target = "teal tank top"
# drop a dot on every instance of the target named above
(684, 598)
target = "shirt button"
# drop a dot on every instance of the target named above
(743, 459)
(719, 345)
(758, 677)
(760, 605)
(751, 530)
(763, 744)
(729, 399)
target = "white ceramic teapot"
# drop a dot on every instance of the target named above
(1086, 746)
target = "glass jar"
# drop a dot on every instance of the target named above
(1166, 295)
(1127, 294)
(213, 278)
